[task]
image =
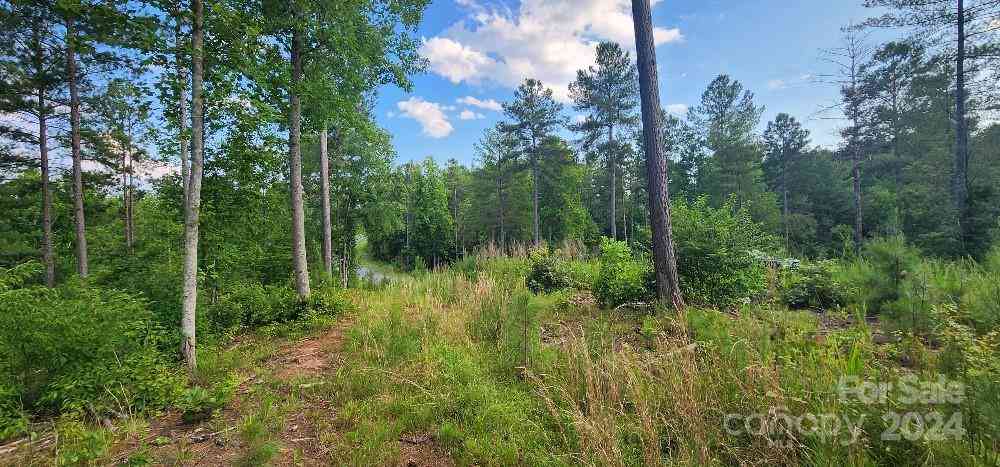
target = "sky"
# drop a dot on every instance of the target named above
(480, 50)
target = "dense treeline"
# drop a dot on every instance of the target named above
(594, 184)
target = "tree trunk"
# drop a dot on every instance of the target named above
(784, 196)
(858, 208)
(667, 281)
(295, 177)
(324, 183)
(182, 107)
(534, 192)
(960, 173)
(500, 201)
(192, 204)
(48, 256)
(612, 205)
(74, 121)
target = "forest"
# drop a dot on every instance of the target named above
(211, 252)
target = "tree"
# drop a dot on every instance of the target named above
(496, 151)
(32, 75)
(725, 121)
(784, 141)
(849, 59)
(609, 93)
(664, 262)
(534, 115)
(965, 31)
(192, 200)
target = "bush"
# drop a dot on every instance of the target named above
(548, 272)
(812, 285)
(714, 253)
(251, 304)
(622, 278)
(77, 348)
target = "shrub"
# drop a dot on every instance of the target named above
(197, 404)
(251, 304)
(879, 276)
(548, 272)
(714, 253)
(812, 285)
(77, 348)
(622, 278)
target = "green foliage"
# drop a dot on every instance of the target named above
(249, 305)
(197, 404)
(548, 272)
(622, 278)
(78, 348)
(714, 248)
(812, 285)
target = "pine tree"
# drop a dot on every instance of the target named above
(609, 92)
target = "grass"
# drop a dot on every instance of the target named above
(496, 375)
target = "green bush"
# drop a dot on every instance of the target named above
(714, 253)
(251, 304)
(811, 285)
(548, 272)
(80, 349)
(622, 278)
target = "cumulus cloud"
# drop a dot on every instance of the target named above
(776, 84)
(678, 110)
(488, 104)
(430, 115)
(544, 39)
(470, 115)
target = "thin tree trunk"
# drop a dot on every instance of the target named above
(667, 281)
(324, 183)
(192, 205)
(500, 200)
(960, 173)
(784, 196)
(295, 156)
(534, 192)
(74, 118)
(182, 107)
(612, 205)
(48, 257)
(858, 208)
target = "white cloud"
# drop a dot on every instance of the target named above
(776, 84)
(470, 115)
(429, 114)
(544, 39)
(488, 104)
(679, 110)
(455, 61)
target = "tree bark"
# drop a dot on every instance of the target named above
(612, 205)
(192, 204)
(324, 183)
(295, 177)
(665, 262)
(82, 267)
(48, 256)
(960, 173)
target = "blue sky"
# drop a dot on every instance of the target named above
(483, 48)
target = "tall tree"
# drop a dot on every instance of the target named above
(192, 202)
(664, 260)
(849, 60)
(496, 152)
(609, 92)
(70, 15)
(534, 114)
(966, 32)
(784, 141)
(31, 79)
